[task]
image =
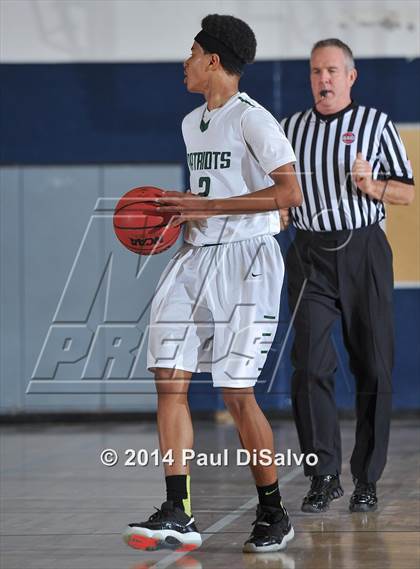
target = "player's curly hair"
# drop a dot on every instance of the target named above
(236, 35)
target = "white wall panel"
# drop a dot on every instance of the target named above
(162, 30)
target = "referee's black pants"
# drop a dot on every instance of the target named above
(347, 274)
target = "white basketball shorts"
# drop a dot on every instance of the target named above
(216, 310)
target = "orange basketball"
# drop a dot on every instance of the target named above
(139, 226)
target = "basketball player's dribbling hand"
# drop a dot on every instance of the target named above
(185, 207)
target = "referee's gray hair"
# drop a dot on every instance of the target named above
(335, 42)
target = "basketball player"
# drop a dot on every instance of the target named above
(221, 291)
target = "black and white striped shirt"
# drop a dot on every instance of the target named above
(326, 147)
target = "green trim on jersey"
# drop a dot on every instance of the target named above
(247, 102)
(204, 125)
(252, 152)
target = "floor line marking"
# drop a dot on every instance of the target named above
(223, 522)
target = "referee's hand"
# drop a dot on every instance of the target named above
(362, 174)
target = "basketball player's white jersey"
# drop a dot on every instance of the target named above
(216, 308)
(231, 151)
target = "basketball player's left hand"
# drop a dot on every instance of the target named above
(184, 207)
(362, 175)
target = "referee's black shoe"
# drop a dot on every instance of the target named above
(364, 497)
(272, 531)
(323, 490)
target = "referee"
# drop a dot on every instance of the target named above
(350, 161)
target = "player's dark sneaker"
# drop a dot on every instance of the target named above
(364, 497)
(168, 528)
(272, 530)
(323, 490)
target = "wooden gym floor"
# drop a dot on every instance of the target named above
(62, 509)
